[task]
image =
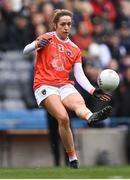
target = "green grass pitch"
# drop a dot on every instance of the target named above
(89, 172)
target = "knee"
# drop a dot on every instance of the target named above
(63, 120)
(79, 106)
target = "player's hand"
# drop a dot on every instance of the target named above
(99, 94)
(43, 42)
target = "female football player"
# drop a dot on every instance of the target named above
(56, 56)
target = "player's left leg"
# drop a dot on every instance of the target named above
(75, 102)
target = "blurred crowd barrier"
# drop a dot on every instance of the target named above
(36, 119)
(31, 148)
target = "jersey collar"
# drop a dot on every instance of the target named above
(64, 41)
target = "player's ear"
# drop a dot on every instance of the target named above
(54, 26)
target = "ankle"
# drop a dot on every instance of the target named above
(88, 115)
(72, 154)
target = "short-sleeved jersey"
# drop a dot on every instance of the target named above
(55, 62)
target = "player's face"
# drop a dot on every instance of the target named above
(63, 27)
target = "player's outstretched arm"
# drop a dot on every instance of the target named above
(82, 79)
(85, 84)
(29, 48)
(36, 45)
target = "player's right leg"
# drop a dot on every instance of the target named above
(55, 107)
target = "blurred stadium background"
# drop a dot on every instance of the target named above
(101, 29)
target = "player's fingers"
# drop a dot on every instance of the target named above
(46, 40)
(105, 98)
(42, 42)
(108, 96)
(102, 98)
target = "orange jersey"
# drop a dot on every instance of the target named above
(54, 62)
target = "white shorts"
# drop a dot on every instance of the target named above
(63, 91)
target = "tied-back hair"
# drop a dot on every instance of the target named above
(59, 13)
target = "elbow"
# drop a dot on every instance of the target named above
(25, 52)
(29, 48)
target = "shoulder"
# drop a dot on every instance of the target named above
(76, 50)
(46, 35)
(73, 44)
(50, 33)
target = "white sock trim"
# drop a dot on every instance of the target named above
(72, 158)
